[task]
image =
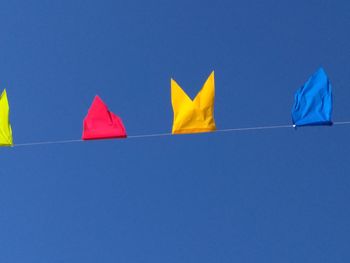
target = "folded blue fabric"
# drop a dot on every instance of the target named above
(313, 102)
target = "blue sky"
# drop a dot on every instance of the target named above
(257, 196)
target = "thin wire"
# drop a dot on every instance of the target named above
(341, 122)
(169, 134)
(46, 142)
(148, 135)
(256, 128)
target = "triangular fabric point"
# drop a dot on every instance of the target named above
(100, 123)
(5, 126)
(313, 102)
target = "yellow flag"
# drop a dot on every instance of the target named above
(193, 116)
(5, 127)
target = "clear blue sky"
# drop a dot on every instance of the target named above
(257, 196)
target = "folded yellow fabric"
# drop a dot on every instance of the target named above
(5, 127)
(193, 116)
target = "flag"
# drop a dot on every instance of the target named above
(197, 115)
(100, 123)
(313, 101)
(5, 126)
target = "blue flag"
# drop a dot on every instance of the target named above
(313, 102)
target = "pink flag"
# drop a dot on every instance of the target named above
(100, 123)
